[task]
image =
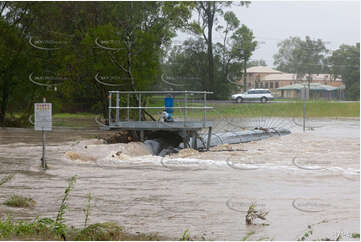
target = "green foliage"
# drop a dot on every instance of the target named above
(186, 236)
(42, 229)
(87, 210)
(100, 231)
(307, 234)
(24, 230)
(140, 29)
(208, 13)
(243, 43)
(187, 67)
(58, 226)
(20, 202)
(345, 64)
(301, 56)
(190, 64)
(256, 63)
(64, 205)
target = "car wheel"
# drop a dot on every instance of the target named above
(239, 100)
(264, 100)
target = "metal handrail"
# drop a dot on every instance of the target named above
(161, 92)
(117, 108)
(160, 107)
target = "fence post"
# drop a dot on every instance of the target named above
(205, 110)
(117, 108)
(139, 105)
(185, 106)
(110, 107)
(128, 107)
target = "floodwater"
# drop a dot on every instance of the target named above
(302, 179)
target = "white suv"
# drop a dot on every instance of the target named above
(262, 95)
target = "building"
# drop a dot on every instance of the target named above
(266, 77)
(256, 74)
(317, 91)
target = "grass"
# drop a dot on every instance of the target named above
(313, 109)
(42, 229)
(74, 120)
(20, 202)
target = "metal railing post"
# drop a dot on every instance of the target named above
(185, 106)
(205, 109)
(139, 105)
(110, 106)
(117, 108)
(128, 107)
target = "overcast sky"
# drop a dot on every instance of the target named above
(335, 22)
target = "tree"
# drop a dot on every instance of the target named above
(232, 22)
(14, 56)
(139, 30)
(301, 56)
(186, 68)
(243, 46)
(207, 17)
(256, 63)
(345, 63)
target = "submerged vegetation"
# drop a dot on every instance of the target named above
(20, 202)
(253, 214)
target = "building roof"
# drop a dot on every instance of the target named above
(293, 77)
(313, 87)
(280, 77)
(261, 69)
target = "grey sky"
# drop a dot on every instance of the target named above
(335, 22)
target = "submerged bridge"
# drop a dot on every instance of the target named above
(186, 117)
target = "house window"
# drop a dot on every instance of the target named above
(266, 85)
(271, 85)
(277, 85)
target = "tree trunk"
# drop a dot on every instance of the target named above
(245, 74)
(4, 101)
(210, 13)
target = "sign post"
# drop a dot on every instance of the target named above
(305, 93)
(43, 122)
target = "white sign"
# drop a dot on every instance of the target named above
(43, 119)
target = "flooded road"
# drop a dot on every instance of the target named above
(302, 179)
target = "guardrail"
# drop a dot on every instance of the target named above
(138, 96)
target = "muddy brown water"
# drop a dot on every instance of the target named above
(302, 179)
